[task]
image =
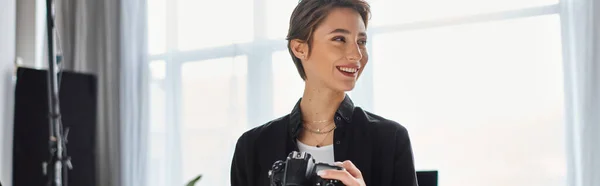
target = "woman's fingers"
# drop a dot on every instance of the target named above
(350, 176)
(351, 168)
(342, 175)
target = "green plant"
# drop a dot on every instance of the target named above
(193, 182)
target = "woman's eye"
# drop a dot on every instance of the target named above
(362, 42)
(342, 39)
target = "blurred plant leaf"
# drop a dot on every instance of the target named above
(193, 182)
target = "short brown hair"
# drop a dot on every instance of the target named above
(308, 14)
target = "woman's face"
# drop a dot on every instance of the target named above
(339, 52)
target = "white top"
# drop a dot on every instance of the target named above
(322, 154)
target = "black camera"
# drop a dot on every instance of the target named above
(300, 169)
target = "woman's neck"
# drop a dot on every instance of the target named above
(319, 103)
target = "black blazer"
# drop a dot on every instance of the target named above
(379, 147)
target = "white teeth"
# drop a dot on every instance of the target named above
(347, 69)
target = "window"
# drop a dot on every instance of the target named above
(284, 99)
(482, 102)
(394, 12)
(158, 146)
(213, 102)
(203, 24)
(478, 84)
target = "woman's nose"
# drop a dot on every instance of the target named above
(354, 54)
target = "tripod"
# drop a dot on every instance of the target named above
(56, 168)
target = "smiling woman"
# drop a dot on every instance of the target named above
(327, 42)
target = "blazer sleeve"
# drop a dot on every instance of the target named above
(242, 164)
(404, 167)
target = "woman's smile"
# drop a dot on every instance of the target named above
(348, 70)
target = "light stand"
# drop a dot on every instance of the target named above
(56, 168)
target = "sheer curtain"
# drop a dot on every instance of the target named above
(478, 84)
(133, 92)
(581, 37)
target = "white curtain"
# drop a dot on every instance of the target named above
(581, 50)
(134, 92)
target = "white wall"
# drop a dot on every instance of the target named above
(31, 33)
(7, 58)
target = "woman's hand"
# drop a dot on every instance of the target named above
(351, 176)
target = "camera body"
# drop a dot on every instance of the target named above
(300, 169)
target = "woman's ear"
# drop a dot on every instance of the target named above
(299, 48)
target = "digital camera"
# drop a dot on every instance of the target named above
(300, 169)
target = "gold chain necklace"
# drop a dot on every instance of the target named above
(319, 121)
(321, 142)
(319, 131)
